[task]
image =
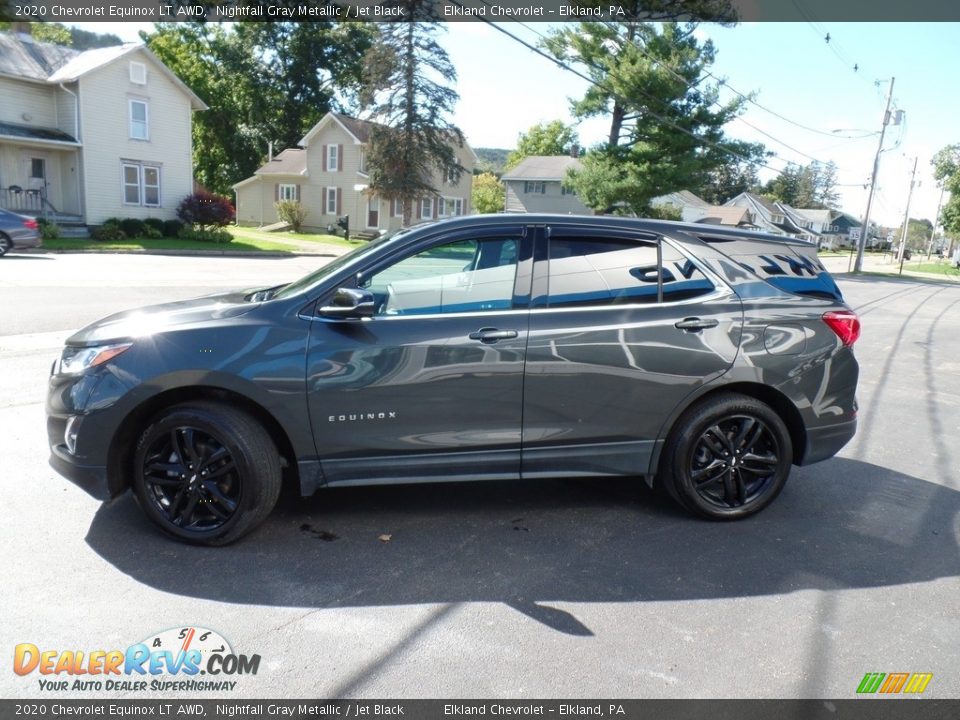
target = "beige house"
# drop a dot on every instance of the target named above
(536, 185)
(328, 175)
(85, 136)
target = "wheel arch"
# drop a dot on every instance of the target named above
(774, 398)
(120, 456)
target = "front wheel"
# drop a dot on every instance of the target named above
(6, 245)
(206, 473)
(727, 457)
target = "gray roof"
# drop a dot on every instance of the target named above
(680, 199)
(22, 56)
(543, 167)
(823, 217)
(35, 133)
(360, 129)
(292, 161)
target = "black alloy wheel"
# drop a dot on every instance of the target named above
(728, 457)
(206, 473)
(6, 245)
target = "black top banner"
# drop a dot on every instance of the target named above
(552, 11)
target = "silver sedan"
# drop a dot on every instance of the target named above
(17, 231)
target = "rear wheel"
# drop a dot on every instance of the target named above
(206, 473)
(6, 245)
(727, 457)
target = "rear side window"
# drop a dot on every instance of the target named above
(585, 272)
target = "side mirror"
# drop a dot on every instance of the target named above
(350, 303)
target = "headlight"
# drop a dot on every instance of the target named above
(75, 360)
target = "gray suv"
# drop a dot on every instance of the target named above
(702, 359)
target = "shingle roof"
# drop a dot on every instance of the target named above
(360, 129)
(34, 133)
(733, 215)
(22, 56)
(543, 167)
(292, 161)
(681, 199)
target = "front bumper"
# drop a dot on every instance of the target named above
(91, 478)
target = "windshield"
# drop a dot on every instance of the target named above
(330, 268)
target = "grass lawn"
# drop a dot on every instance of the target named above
(248, 234)
(944, 268)
(245, 244)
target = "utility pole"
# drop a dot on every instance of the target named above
(936, 219)
(858, 265)
(906, 216)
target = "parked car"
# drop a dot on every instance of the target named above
(17, 231)
(703, 359)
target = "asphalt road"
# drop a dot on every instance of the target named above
(512, 590)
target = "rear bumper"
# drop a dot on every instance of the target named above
(826, 441)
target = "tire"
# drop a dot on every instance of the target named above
(232, 449)
(6, 245)
(740, 483)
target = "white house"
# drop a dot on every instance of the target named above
(328, 174)
(536, 185)
(85, 136)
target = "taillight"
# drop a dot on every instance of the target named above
(31, 224)
(845, 324)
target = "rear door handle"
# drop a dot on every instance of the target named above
(695, 324)
(492, 335)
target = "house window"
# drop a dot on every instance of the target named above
(452, 175)
(564, 190)
(286, 192)
(139, 120)
(138, 73)
(38, 169)
(332, 200)
(141, 184)
(333, 158)
(426, 208)
(363, 161)
(776, 219)
(449, 207)
(397, 209)
(531, 186)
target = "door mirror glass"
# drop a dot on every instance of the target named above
(350, 303)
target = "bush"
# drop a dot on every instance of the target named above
(156, 224)
(108, 232)
(132, 227)
(151, 233)
(212, 235)
(48, 230)
(291, 211)
(171, 228)
(206, 210)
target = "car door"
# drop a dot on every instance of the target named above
(431, 386)
(610, 354)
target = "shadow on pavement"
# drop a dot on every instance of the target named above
(840, 524)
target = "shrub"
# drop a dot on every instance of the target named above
(172, 228)
(206, 210)
(156, 224)
(210, 235)
(132, 227)
(48, 230)
(109, 231)
(291, 211)
(152, 233)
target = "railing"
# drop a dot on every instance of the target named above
(32, 201)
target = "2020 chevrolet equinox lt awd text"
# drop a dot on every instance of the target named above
(705, 359)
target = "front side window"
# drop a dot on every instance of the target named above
(139, 120)
(463, 276)
(605, 271)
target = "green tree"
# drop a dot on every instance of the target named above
(666, 121)
(946, 169)
(55, 33)
(810, 186)
(488, 193)
(407, 91)
(263, 82)
(553, 138)
(918, 233)
(729, 180)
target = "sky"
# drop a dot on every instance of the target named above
(791, 69)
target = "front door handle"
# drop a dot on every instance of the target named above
(492, 335)
(695, 324)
